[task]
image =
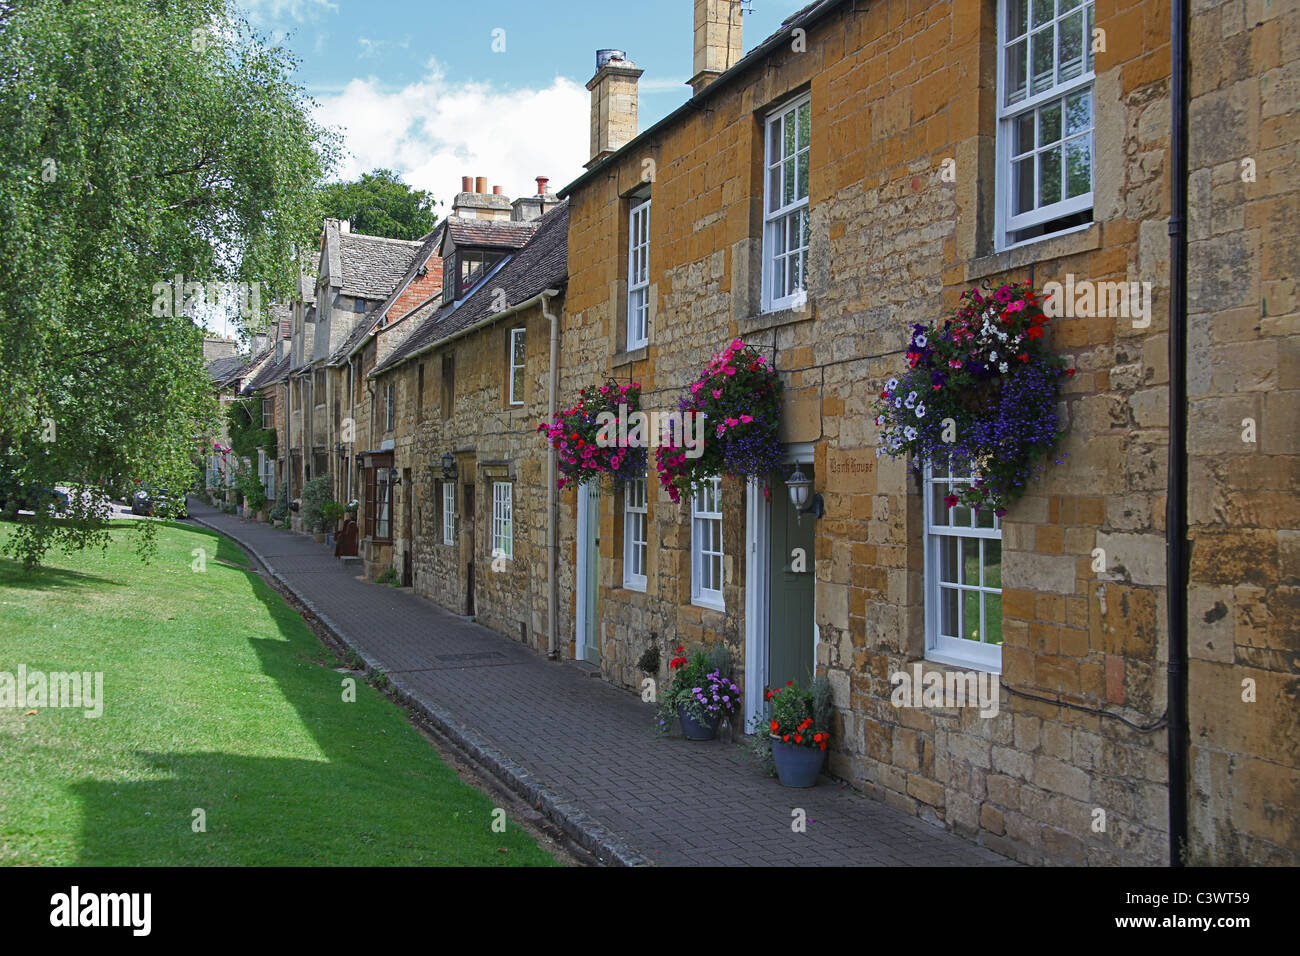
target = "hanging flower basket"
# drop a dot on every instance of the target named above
(980, 392)
(587, 447)
(739, 395)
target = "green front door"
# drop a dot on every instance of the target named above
(790, 597)
(589, 498)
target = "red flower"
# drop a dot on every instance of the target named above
(789, 683)
(1034, 332)
(798, 738)
(950, 501)
(823, 745)
(786, 738)
(1070, 372)
(775, 726)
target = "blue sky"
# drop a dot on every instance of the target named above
(417, 87)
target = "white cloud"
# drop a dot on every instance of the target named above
(435, 131)
(262, 12)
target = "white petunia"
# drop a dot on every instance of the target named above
(909, 433)
(891, 385)
(1002, 366)
(920, 410)
(920, 341)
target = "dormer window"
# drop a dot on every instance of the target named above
(464, 269)
(360, 305)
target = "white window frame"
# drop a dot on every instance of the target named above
(383, 506)
(1006, 223)
(517, 397)
(939, 527)
(638, 275)
(776, 218)
(448, 512)
(503, 519)
(390, 406)
(636, 523)
(704, 522)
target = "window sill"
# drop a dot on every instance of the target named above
(776, 318)
(639, 354)
(1056, 246)
(718, 606)
(951, 660)
(634, 586)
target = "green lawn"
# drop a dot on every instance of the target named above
(217, 697)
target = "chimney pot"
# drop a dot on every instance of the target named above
(480, 184)
(467, 184)
(541, 184)
(496, 190)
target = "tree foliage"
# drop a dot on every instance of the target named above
(144, 140)
(380, 204)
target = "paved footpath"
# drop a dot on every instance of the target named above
(583, 751)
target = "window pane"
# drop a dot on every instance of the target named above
(519, 348)
(1024, 141)
(1068, 5)
(1049, 124)
(992, 563)
(1043, 61)
(993, 618)
(787, 134)
(787, 171)
(801, 179)
(949, 626)
(1049, 176)
(1070, 47)
(1016, 68)
(1022, 185)
(805, 125)
(773, 141)
(1078, 166)
(1044, 10)
(948, 553)
(970, 617)
(1078, 112)
(1087, 39)
(774, 189)
(1017, 18)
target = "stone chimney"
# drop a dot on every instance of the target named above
(534, 207)
(475, 202)
(218, 347)
(717, 40)
(613, 103)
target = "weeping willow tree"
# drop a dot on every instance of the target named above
(148, 144)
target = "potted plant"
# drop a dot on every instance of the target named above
(701, 695)
(332, 513)
(795, 736)
(315, 495)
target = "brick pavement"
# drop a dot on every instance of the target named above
(583, 750)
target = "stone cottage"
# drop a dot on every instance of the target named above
(853, 174)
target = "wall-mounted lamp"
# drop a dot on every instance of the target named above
(449, 466)
(342, 450)
(803, 498)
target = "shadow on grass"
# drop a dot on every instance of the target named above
(46, 578)
(366, 793)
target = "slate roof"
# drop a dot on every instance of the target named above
(493, 233)
(428, 246)
(541, 264)
(373, 266)
(272, 373)
(221, 371)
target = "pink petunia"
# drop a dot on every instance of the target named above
(717, 393)
(729, 370)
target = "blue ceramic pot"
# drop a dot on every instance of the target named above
(694, 730)
(797, 766)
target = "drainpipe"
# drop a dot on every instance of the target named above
(552, 510)
(1176, 550)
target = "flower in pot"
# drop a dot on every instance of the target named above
(701, 695)
(797, 732)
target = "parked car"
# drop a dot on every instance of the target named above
(32, 498)
(145, 501)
